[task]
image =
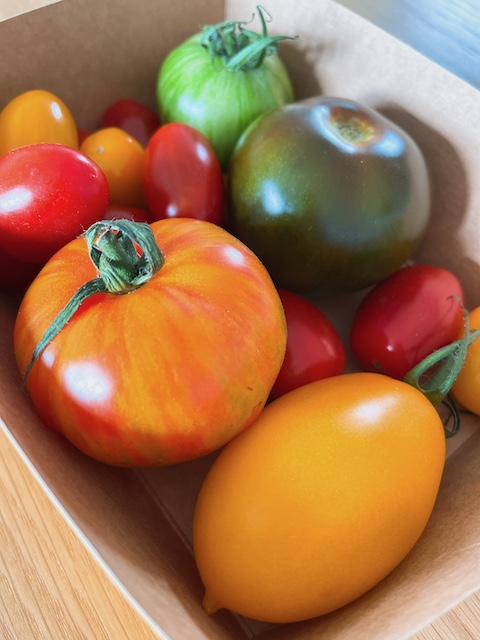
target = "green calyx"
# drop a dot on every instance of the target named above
(237, 48)
(435, 375)
(125, 255)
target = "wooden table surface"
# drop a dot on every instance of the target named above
(51, 587)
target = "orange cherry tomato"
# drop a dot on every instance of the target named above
(36, 116)
(319, 499)
(120, 156)
(466, 388)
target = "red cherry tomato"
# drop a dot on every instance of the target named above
(182, 176)
(405, 318)
(49, 195)
(133, 117)
(314, 348)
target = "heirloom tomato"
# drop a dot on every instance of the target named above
(181, 175)
(49, 194)
(220, 80)
(314, 347)
(330, 195)
(120, 156)
(137, 119)
(405, 317)
(168, 372)
(319, 499)
(36, 116)
(466, 389)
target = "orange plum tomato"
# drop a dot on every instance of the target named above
(404, 318)
(320, 499)
(466, 389)
(314, 347)
(36, 116)
(167, 373)
(49, 194)
(182, 176)
(121, 157)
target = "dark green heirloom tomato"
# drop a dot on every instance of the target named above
(220, 80)
(330, 195)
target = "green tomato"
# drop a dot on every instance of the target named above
(221, 80)
(329, 194)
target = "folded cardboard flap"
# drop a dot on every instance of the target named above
(12, 8)
(91, 53)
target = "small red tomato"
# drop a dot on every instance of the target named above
(49, 195)
(314, 348)
(133, 117)
(405, 318)
(182, 176)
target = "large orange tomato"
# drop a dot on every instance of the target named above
(319, 499)
(36, 116)
(169, 371)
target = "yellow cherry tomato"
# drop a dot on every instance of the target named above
(36, 116)
(319, 499)
(120, 156)
(466, 388)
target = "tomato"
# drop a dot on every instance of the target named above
(331, 195)
(172, 370)
(220, 80)
(121, 157)
(314, 347)
(137, 119)
(116, 212)
(36, 116)
(16, 275)
(466, 389)
(182, 176)
(49, 194)
(319, 499)
(405, 317)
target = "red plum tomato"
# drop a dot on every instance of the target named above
(134, 117)
(405, 318)
(314, 347)
(182, 176)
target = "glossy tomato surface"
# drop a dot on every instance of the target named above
(167, 373)
(320, 499)
(181, 174)
(406, 317)
(36, 116)
(136, 118)
(466, 389)
(203, 83)
(49, 194)
(121, 158)
(314, 347)
(331, 195)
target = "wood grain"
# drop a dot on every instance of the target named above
(51, 586)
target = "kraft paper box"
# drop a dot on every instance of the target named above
(136, 524)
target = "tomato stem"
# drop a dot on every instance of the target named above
(126, 256)
(240, 49)
(435, 375)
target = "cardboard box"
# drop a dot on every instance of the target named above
(137, 523)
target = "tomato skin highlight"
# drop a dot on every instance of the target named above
(181, 175)
(49, 194)
(170, 371)
(319, 499)
(466, 389)
(406, 317)
(332, 196)
(314, 348)
(36, 116)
